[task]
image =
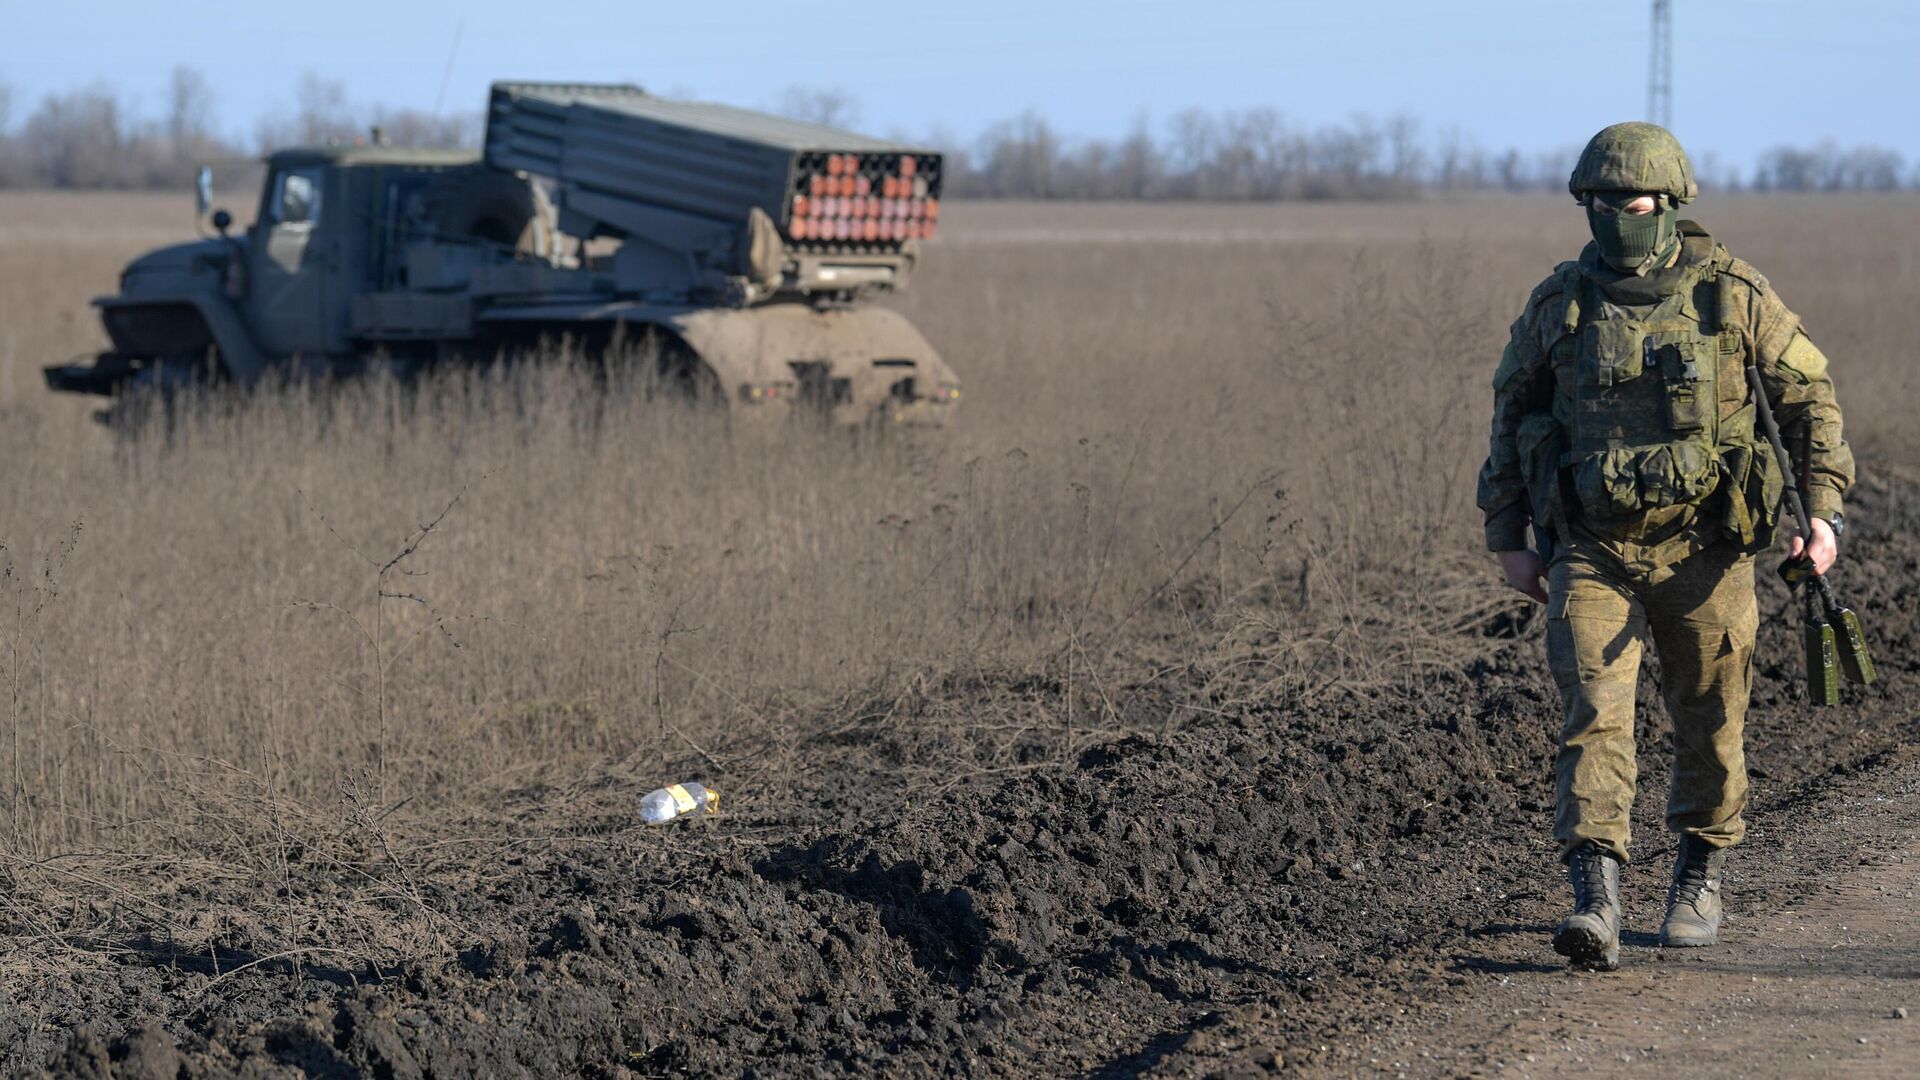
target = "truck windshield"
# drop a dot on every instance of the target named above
(296, 197)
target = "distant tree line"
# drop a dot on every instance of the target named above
(93, 137)
(1830, 167)
(1258, 155)
(1254, 155)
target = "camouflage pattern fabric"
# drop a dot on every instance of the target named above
(1638, 157)
(1605, 599)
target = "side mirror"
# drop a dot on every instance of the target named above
(203, 191)
(222, 221)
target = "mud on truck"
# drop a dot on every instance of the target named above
(733, 250)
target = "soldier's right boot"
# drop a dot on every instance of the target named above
(1693, 900)
(1590, 937)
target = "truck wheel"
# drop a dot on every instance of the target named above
(686, 378)
(670, 370)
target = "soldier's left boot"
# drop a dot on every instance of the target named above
(1693, 900)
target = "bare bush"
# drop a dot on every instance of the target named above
(1829, 167)
(323, 113)
(93, 138)
(833, 106)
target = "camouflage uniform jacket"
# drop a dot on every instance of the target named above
(1791, 368)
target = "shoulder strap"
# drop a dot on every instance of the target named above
(1736, 267)
(1569, 286)
(1721, 275)
(1579, 300)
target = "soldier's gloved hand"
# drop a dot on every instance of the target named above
(1824, 550)
(1524, 572)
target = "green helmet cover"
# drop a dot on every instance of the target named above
(1634, 156)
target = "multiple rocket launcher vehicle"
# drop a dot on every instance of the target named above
(735, 251)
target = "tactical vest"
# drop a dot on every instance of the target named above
(1650, 409)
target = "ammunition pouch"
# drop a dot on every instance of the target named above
(1613, 352)
(1686, 364)
(1751, 488)
(1622, 481)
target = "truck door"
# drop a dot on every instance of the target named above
(290, 262)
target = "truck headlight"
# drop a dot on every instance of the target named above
(758, 393)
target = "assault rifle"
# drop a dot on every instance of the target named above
(1832, 631)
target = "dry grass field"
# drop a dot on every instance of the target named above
(203, 612)
(1209, 458)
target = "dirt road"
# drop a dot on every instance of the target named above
(1817, 979)
(1815, 975)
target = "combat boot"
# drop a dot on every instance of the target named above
(1590, 937)
(1693, 900)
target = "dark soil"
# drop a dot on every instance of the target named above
(1110, 915)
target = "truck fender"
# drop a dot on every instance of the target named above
(238, 354)
(870, 347)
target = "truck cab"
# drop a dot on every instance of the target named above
(335, 228)
(342, 233)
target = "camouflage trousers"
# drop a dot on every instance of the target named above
(1605, 599)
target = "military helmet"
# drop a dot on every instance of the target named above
(1634, 156)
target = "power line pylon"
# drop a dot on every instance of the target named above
(1660, 66)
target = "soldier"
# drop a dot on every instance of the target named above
(1624, 434)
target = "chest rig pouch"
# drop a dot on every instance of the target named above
(1644, 405)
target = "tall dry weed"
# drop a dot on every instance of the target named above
(1229, 461)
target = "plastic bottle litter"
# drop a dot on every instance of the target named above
(677, 801)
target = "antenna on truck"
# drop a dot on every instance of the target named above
(446, 75)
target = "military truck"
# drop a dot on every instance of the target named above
(732, 251)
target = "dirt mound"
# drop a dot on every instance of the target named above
(1086, 916)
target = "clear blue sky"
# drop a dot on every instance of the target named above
(1535, 74)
